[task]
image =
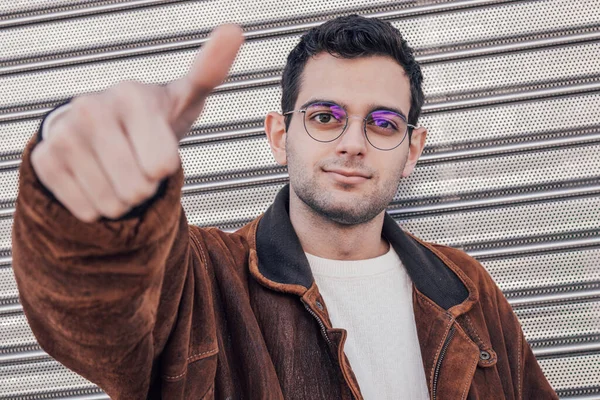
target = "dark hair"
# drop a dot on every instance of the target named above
(352, 36)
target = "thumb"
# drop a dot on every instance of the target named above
(209, 69)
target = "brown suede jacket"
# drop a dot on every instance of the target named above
(151, 307)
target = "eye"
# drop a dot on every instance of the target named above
(323, 118)
(383, 123)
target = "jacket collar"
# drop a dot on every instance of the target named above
(283, 266)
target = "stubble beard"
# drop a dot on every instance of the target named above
(362, 209)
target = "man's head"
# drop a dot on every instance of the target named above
(361, 68)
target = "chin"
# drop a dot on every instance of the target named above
(344, 207)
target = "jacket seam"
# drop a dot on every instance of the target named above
(437, 352)
(431, 303)
(472, 328)
(189, 360)
(199, 249)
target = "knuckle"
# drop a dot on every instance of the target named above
(85, 214)
(86, 110)
(61, 144)
(146, 190)
(45, 167)
(139, 193)
(39, 157)
(66, 125)
(113, 209)
(124, 91)
(163, 167)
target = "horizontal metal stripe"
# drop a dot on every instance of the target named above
(518, 145)
(580, 397)
(554, 297)
(100, 396)
(572, 372)
(511, 97)
(42, 377)
(276, 61)
(10, 308)
(196, 19)
(183, 18)
(556, 40)
(505, 18)
(531, 71)
(545, 272)
(25, 356)
(498, 202)
(566, 349)
(484, 250)
(11, 9)
(500, 224)
(554, 326)
(79, 10)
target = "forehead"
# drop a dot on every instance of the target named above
(359, 82)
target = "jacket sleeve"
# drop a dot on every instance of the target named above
(91, 291)
(531, 382)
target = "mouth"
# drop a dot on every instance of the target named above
(347, 176)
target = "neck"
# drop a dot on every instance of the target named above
(325, 238)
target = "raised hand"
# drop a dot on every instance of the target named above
(107, 152)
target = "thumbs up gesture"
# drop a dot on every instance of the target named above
(108, 152)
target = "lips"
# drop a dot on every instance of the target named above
(348, 173)
(347, 177)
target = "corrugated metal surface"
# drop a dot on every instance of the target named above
(511, 173)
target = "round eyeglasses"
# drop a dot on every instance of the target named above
(325, 122)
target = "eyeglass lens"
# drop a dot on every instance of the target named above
(326, 122)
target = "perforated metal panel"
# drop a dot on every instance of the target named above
(510, 174)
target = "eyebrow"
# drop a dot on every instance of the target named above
(372, 107)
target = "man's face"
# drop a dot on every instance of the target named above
(348, 180)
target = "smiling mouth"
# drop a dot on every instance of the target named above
(347, 177)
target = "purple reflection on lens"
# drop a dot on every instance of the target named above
(336, 111)
(384, 118)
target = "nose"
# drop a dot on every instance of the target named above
(353, 141)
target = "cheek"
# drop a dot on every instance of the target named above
(391, 168)
(305, 154)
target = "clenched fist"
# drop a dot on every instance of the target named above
(108, 152)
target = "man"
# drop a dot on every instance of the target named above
(322, 297)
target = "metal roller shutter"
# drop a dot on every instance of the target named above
(511, 172)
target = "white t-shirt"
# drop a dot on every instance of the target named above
(372, 300)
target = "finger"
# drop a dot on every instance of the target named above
(56, 178)
(153, 142)
(118, 160)
(85, 168)
(208, 70)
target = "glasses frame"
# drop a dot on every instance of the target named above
(303, 111)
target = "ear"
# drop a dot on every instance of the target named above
(417, 143)
(275, 130)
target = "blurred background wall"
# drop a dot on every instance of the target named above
(510, 173)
